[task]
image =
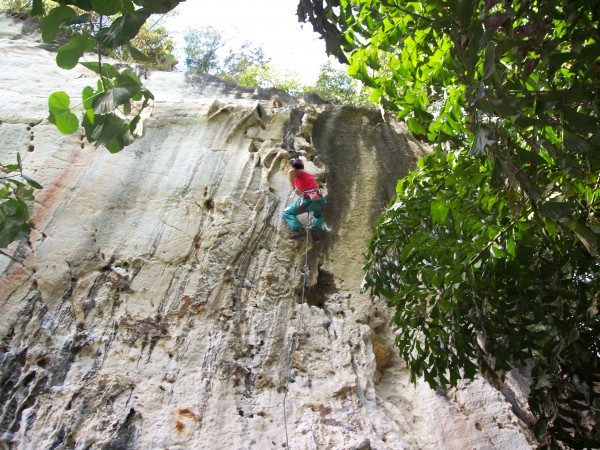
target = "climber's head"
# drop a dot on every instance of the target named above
(297, 163)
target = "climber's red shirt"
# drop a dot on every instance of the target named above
(305, 182)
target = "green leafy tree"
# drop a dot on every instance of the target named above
(248, 66)
(286, 80)
(156, 44)
(337, 86)
(268, 76)
(480, 284)
(19, 8)
(201, 50)
(489, 252)
(238, 64)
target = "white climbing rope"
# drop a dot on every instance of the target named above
(295, 337)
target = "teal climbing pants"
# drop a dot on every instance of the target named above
(304, 205)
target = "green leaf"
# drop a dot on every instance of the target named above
(525, 122)
(14, 215)
(115, 145)
(576, 144)
(88, 122)
(511, 247)
(158, 6)
(464, 12)
(50, 24)
(123, 29)
(60, 113)
(505, 107)
(37, 8)
(86, 5)
(79, 19)
(108, 131)
(32, 182)
(578, 121)
(524, 91)
(587, 237)
(108, 70)
(480, 142)
(558, 211)
(127, 6)
(127, 85)
(136, 127)
(106, 7)
(128, 137)
(415, 127)
(12, 230)
(136, 54)
(439, 211)
(68, 54)
(87, 96)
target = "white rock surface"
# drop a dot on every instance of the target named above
(160, 305)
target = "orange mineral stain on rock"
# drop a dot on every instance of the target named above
(54, 192)
(187, 413)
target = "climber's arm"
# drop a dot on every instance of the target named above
(292, 174)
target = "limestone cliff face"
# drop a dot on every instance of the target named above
(159, 303)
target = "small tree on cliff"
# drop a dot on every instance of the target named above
(246, 65)
(201, 49)
(156, 44)
(238, 64)
(490, 251)
(16, 8)
(336, 85)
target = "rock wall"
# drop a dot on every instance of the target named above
(159, 303)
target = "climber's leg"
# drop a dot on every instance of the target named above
(316, 206)
(317, 220)
(290, 213)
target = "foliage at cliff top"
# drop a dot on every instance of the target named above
(245, 66)
(490, 251)
(155, 43)
(248, 66)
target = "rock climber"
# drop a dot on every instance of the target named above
(311, 199)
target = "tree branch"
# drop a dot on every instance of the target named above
(406, 11)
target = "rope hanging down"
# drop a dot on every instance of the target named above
(295, 340)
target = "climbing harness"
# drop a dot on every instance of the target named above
(304, 329)
(313, 194)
